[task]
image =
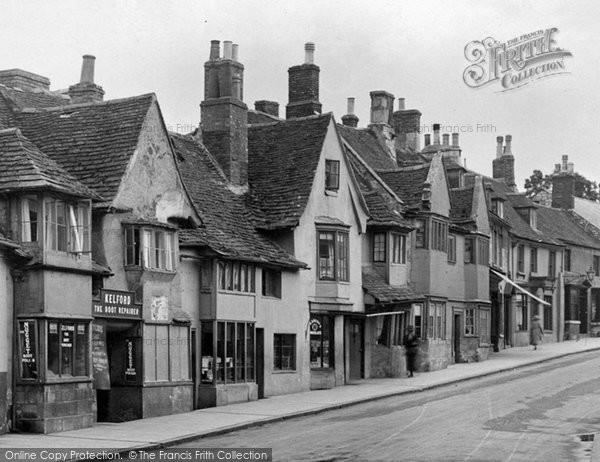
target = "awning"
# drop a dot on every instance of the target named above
(518, 287)
(386, 313)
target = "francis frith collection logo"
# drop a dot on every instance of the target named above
(516, 62)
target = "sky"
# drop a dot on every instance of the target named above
(412, 49)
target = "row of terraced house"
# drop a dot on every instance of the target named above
(146, 273)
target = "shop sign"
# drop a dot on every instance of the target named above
(28, 350)
(130, 372)
(66, 338)
(116, 304)
(100, 356)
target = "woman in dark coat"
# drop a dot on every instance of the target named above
(536, 334)
(411, 343)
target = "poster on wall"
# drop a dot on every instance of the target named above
(28, 340)
(159, 308)
(100, 355)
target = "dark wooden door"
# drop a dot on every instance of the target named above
(583, 312)
(356, 348)
(260, 362)
(456, 335)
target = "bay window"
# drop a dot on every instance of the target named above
(67, 225)
(379, 247)
(151, 248)
(236, 276)
(67, 348)
(398, 248)
(29, 218)
(333, 255)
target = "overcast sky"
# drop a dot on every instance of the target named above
(412, 49)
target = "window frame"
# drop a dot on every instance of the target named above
(399, 251)
(552, 264)
(421, 233)
(379, 247)
(439, 235)
(327, 333)
(470, 325)
(278, 352)
(567, 258)
(451, 248)
(548, 311)
(470, 252)
(522, 304)
(236, 276)
(271, 283)
(533, 259)
(67, 225)
(60, 347)
(340, 246)
(151, 248)
(332, 175)
(521, 259)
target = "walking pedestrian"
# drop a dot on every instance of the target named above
(411, 344)
(536, 333)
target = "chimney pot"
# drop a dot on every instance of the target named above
(401, 104)
(427, 139)
(499, 149)
(446, 138)
(570, 167)
(227, 49)
(215, 50)
(87, 69)
(436, 133)
(556, 168)
(350, 106)
(508, 147)
(454, 139)
(565, 160)
(309, 53)
(234, 51)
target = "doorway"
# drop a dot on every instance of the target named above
(583, 311)
(356, 349)
(456, 335)
(260, 362)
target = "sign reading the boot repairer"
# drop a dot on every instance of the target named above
(516, 62)
(116, 304)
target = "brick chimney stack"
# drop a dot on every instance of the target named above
(224, 116)
(503, 166)
(563, 185)
(407, 126)
(86, 91)
(268, 107)
(303, 86)
(350, 119)
(382, 110)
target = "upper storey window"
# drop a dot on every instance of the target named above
(333, 256)
(151, 248)
(332, 175)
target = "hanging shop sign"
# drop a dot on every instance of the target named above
(100, 355)
(116, 304)
(28, 356)
(130, 371)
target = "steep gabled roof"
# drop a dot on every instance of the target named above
(24, 167)
(562, 225)
(228, 227)
(93, 142)
(282, 162)
(364, 141)
(407, 183)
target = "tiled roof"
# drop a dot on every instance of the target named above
(228, 228)
(282, 162)
(588, 209)
(561, 225)
(21, 99)
(374, 284)
(461, 200)
(93, 142)
(407, 183)
(24, 166)
(519, 200)
(366, 144)
(258, 117)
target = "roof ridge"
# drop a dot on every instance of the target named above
(295, 119)
(68, 107)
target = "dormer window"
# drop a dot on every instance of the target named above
(533, 218)
(498, 207)
(150, 247)
(332, 175)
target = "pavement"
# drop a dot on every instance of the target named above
(169, 430)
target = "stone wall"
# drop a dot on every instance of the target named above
(388, 361)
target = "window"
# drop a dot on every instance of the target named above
(469, 321)
(469, 250)
(439, 235)
(451, 248)
(498, 207)
(390, 329)
(417, 312)
(533, 218)
(379, 247)
(233, 360)
(533, 260)
(271, 283)
(67, 348)
(437, 316)
(166, 353)
(548, 313)
(483, 251)
(596, 265)
(421, 234)
(284, 352)
(567, 259)
(484, 326)
(332, 175)
(552, 264)
(237, 277)
(521, 311)
(399, 249)
(29, 219)
(151, 248)
(521, 258)
(333, 255)
(179, 352)
(321, 341)
(67, 226)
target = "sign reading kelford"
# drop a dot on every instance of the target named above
(116, 304)
(516, 62)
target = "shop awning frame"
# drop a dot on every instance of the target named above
(518, 287)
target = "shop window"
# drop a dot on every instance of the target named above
(390, 329)
(521, 258)
(67, 349)
(421, 234)
(379, 247)
(332, 175)
(533, 259)
(333, 256)
(552, 264)
(271, 283)
(234, 360)
(548, 312)
(484, 326)
(236, 276)
(321, 341)
(567, 259)
(399, 248)
(67, 226)
(151, 248)
(30, 218)
(521, 312)
(166, 353)
(284, 352)
(439, 235)
(469, 321)
(451, 248)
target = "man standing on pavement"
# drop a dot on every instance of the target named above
(536, 334)
(411, 344)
